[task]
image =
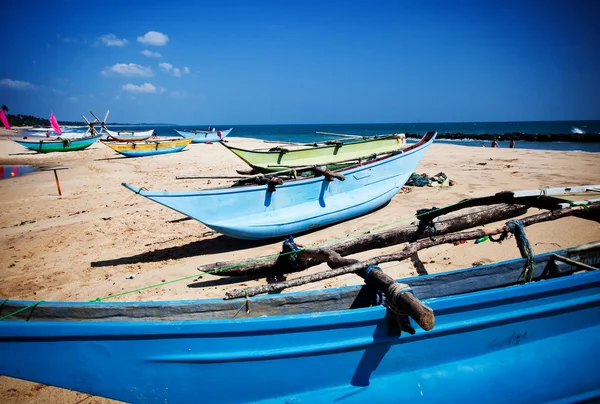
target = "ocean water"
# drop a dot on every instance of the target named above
(308, 133)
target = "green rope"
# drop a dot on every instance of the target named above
(357, 234)
(574, 205)
(20, 310)
(99, 299)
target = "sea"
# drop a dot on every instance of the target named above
(310, 133)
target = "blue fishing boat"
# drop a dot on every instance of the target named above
(255, 212)
(495, 340)
(205, 136)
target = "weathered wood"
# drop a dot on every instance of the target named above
(574, 263)
(411, 249)
(397, 235)
(328, 174)
(400, 301)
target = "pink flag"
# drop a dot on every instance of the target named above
(54, 123)
(219, 134)
(3, 119)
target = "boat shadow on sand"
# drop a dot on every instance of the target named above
(217, 245)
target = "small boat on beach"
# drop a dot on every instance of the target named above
(205, 136)
(280, 158)
(149, 147)
(123, 135)
(128, 135)
(256, 212)
(61, 143)
(58, 144)
(490, 337)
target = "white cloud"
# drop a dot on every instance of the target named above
(150, 54)
(112, 40)
(166, 66)
(148, 88)
(153, 38)
(129, 70)
(175, 71)
(20, 85)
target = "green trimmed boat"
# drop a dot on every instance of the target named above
(280, 159)
(46, 145)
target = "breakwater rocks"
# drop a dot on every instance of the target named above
(540, 137)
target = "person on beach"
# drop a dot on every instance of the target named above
(495, 143)
(47, 133)
(512, 144)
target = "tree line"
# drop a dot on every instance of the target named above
(30, 120)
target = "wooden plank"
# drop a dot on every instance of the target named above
(574, 263)
(556, 191)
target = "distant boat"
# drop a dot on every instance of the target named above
(128, 135)
(256, 212)
(148, 147)
(205, 136)
(123, 135)
(43, 145)
(60, 143)
(279, 158)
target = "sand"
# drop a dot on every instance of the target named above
(99, 239)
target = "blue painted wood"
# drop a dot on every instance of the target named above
(204, 136)
(42, 145)
(255, 212)
(523, 343)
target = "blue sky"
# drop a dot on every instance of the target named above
(262, 62)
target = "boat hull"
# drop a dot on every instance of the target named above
(49, 146)
(272, 161)
(205, 136)
(524, 343)
(256, 213)
(149, 148)
(129, 136)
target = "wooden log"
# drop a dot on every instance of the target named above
(328, 174)
(399, 299)
(397, 235)
(409, 250)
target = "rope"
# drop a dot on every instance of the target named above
(518, 229)
(20, 310)
(368, 271)
(295, 251)
(573, 204)
(268, 257)
(392, 294)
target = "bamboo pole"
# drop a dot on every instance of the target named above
(410, 250)
(393, 236)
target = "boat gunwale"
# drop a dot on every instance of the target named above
(311, 148)
(567, 279)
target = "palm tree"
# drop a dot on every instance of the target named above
(4, 108)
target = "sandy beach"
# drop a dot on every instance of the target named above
(99, 239)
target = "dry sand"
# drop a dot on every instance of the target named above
(89, 241)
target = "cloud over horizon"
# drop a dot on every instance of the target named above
(112, 40)
(146, 88)
(129, 70)
(16, 84)
(153, 38)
